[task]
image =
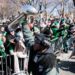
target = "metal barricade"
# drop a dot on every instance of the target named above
(4, 65)
(7, 64)
(22, 69)
(1, 64)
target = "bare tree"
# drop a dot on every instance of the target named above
(10, 7)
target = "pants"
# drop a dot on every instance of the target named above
(18, 55)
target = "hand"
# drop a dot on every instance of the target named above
(12, 41)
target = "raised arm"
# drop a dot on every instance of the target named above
(28, 36)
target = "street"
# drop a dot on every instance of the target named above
(66, 65)
(67, 68)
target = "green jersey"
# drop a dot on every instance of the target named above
(2, 49)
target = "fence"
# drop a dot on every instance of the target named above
(7, 66)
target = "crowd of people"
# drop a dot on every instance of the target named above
(40, 40)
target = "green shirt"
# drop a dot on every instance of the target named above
(2, 49)
(55, 29)
(64, 32)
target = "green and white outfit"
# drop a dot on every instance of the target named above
(2, 49)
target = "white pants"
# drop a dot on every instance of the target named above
(16, 61)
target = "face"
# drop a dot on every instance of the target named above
(74, 20)
(12, 33)
(2, 29)
(49, 23)
(73, 33)
(37, 47)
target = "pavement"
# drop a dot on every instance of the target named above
(66, 57)
(66, 64)
(67, 68)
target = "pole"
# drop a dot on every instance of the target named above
(74, 8)
(45, 9)
(62, 7)
(12, 23)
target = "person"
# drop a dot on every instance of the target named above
(55, 34)
(73, 41)
(64, 33)
(42, 61)
(2, 48)
(20, 48)
(19, 34)
(16, 49)
(3, 31)
(10, 41)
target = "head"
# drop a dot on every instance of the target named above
(74, 20)
(41, 42)
(2, 29)
(19, 28)
(62, 21)
(46, 31)
(31, 19)
(11, 31)
(49, 22)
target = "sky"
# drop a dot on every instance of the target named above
(55, 4)
(68, 4)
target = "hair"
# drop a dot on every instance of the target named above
(43, 40)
